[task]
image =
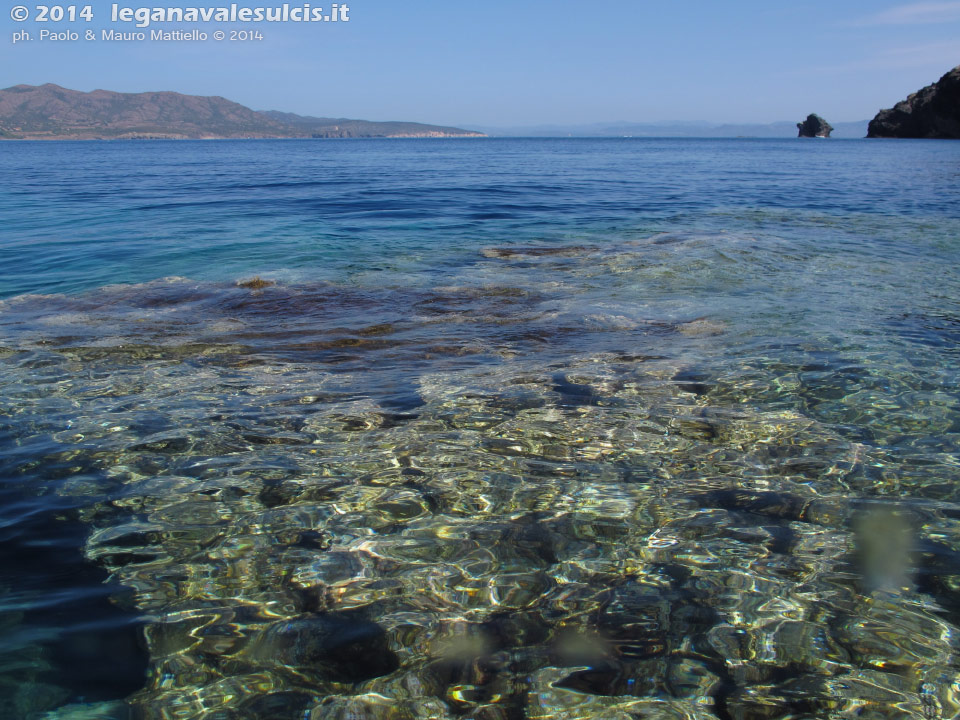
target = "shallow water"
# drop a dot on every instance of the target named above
(512, 429)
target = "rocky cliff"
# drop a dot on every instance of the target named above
(933, 112)
(814, 126)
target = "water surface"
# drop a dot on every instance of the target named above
(503, 429)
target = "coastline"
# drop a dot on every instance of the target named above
(423, 136)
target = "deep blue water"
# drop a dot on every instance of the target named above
(81, 215)
(497, 428)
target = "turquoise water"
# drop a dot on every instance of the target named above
(480, 429)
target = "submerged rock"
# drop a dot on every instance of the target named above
(255, 283)
(640, 639)
(573, 394)
(281, 704)
(343, 646)
(373, 706)
(702, 327)
(814, 126)
(933, 112)
(692, 381)
(511, 253)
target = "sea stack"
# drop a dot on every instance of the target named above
(933, 112)
(814, 126)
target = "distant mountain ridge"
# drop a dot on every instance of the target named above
(51, 112)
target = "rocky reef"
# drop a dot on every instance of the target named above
(933, 112)
(814, 126)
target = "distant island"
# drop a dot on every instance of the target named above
(932, 112)
(51, 112)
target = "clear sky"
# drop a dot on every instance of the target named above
(532, 62)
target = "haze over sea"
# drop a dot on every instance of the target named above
(502, 428)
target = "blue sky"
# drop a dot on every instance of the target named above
(533, 62)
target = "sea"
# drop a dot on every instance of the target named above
(480, 429)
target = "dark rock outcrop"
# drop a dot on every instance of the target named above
(933, 112)
(814, 126)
